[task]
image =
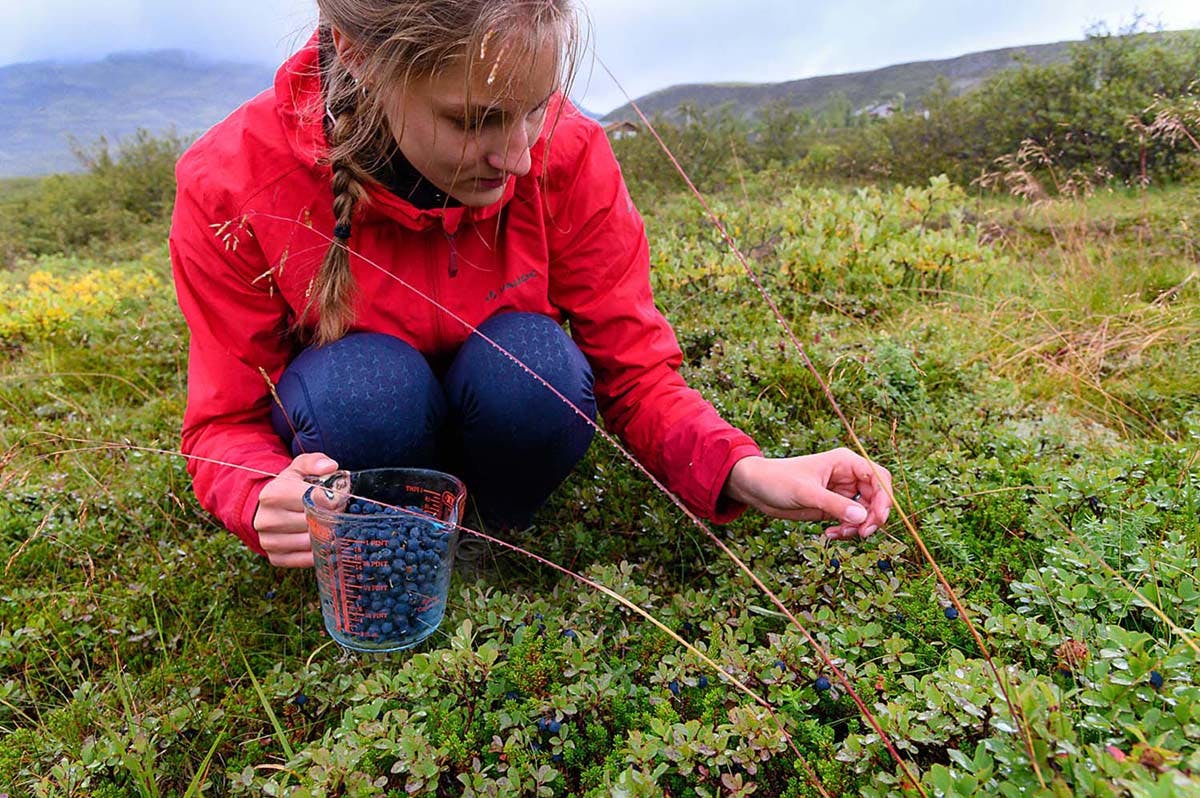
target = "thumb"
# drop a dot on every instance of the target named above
(306, 466)
(835, 506)
(314, 463)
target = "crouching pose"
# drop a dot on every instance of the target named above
(415, 175)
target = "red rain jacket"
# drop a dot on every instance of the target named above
(252, 221)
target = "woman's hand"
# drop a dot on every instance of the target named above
(837, 485)
(279, 519)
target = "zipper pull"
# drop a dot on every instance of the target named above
(453, 255)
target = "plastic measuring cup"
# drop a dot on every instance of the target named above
(383, 545)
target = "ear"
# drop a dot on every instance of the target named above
(347, 53)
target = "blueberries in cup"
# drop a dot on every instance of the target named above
(402, 574)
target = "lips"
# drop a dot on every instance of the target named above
(489, 184)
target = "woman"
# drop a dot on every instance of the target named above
(414, 174)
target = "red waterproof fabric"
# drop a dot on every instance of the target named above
(252, 222)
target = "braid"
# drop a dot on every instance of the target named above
(392, 44)
(333, 289)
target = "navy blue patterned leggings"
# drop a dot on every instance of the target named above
(371, 400)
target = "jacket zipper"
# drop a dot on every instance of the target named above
(435, 294)
(453, 267)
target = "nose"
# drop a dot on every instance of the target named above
(511, 151)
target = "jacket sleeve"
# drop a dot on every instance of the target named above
(600, 277)
(237, 327)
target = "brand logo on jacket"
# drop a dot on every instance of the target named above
(520, 280)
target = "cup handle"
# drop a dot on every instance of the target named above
(334, 489)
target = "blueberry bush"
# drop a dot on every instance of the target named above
(1035, 401)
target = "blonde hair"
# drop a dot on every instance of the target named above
(391, 43)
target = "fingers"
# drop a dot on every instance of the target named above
(868, 485)
(309, 465)
(291, 560)
(875, 492)
(287, 547)
(844, 532)
(285, 542)
(285, 492)
(850, 490)
(831, 504)
(279, 519)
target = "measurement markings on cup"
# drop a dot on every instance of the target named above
(349, 578)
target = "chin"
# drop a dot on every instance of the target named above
(478, 199)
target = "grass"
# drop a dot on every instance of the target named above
(1035, 396)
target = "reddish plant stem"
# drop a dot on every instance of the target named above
(825, 388)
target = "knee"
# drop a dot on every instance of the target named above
(364, 397)
(487, 383)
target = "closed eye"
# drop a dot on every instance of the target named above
(489, 117)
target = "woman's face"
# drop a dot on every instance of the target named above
(469, 144)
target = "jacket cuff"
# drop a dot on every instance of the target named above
(724, 509)
(243, 524)
(697, 462)
(239, 517)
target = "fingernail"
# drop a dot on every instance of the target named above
(855, 514)
(326, 463)
(866, 533)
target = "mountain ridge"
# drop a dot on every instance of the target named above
(912, 80)
(49, 108)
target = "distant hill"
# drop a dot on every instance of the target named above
(864, 90)
(43, 105)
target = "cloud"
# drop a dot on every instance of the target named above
(262, 31)
(648, 44)
(653, 45)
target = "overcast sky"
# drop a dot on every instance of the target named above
(648, 44)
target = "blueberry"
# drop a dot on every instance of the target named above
(556, 758)
(673, 686)
(543, 725)
(835, 563)
(571, 634)
(822, 684)
(884, 565)
(1156, 680)
(554, 727)
(512, 695)
(703, 682)
(300, 700)
(781, 665)
(951, 614)
(270, 595)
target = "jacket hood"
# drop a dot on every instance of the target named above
(300, 105)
